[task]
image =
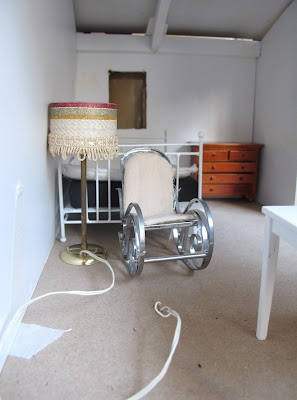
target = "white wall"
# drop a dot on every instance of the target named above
(38, 59)
(276, 111)
(193, 84)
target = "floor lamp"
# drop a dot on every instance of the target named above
(88, 130)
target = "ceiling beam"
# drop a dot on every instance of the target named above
(160, 27)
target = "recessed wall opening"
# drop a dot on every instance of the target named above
(128, 91)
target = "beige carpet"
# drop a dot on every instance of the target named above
(118, 343)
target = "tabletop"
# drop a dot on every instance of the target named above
(286, 214)
(284, 221)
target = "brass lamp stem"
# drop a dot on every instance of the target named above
(84, 245)
(73, 255)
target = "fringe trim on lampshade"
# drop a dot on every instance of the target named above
(95, 148)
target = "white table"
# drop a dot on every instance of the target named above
(280, 221)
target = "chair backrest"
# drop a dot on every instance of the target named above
(147, 179)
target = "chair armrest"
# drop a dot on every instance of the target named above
(176, 203)
(192, 202)
(138, 212)
(137, 220)
(120, 193)
(204, 214)
(131, 206)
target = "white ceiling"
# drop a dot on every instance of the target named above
(249, 19)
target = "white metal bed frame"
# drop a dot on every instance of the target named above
(65, 209)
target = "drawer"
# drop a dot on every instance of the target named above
(216, 155)
(243, 155)
(226, 190)
(228, 178)
(229, 167)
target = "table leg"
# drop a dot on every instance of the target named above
(269, 264)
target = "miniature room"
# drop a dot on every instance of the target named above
(151, 173)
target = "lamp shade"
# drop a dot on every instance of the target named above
(85, 129)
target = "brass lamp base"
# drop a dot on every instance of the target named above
(72, 254)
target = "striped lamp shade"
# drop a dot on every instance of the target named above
(85, 129)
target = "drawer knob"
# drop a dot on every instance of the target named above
(213, 154)
(213, 167)
(242, 167)
(243, 155)
(212, 178)
(211, 189)
(241, 178)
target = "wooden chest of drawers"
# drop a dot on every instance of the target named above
(230, 169)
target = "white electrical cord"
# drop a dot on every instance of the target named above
(80, 293)
(160, 376)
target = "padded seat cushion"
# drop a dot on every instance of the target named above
(161, 219)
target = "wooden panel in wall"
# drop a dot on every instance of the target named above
(128, 91)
